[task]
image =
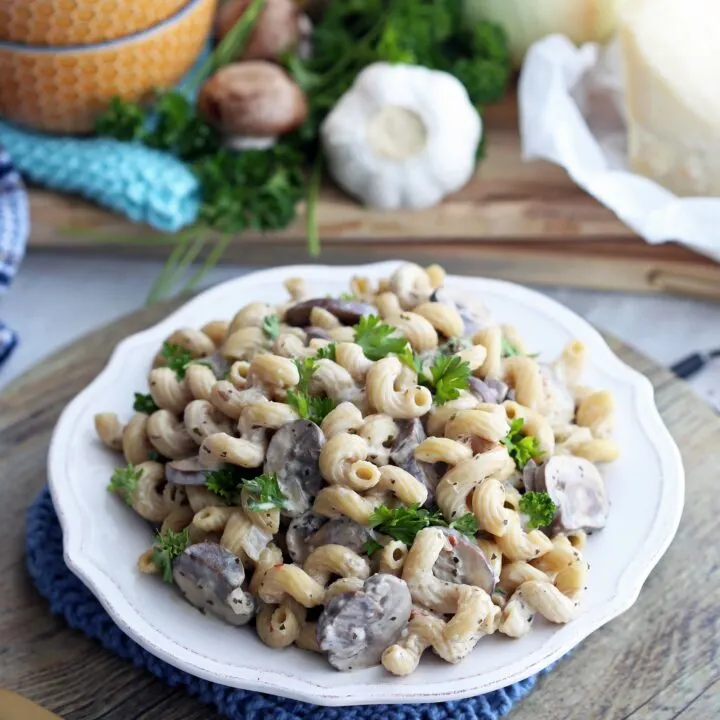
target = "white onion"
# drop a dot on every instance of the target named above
(526, 21)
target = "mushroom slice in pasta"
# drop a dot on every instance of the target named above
(348, 312)
(211, 579)
(577, 489)
(294, 455)
(411, 434)
(461, 561)
(186, 472)
(356, 627)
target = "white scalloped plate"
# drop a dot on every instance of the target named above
(103, 539)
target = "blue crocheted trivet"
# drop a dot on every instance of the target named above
(70, 598)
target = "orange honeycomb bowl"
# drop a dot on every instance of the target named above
(80, 22)
(64, 89)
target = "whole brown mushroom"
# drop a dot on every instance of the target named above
(254, 99)
(278, 30)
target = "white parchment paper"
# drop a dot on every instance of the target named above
(572, 114)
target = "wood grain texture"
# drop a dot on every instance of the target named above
(660, 660)
(520, 221)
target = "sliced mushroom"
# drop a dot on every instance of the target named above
(411, 434)
(317, 333)
(461, 561)
(211, 579)
(490, 390)
(348, 312)
(186, 472)
(299, 532)
(356, 627)
(575, 486)
(218, 364)
(294, 454)
(341, 531)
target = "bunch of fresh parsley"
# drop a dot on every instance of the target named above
(403, 523)
(521, 448)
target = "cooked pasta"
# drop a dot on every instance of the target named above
(368, 477)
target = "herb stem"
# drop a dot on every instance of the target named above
(212, 259)
(156, 291)
(313, 233)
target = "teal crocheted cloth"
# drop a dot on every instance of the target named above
(71, 599)
(146, 185)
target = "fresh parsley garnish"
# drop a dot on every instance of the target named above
(539, 508)
(167, 546)
(327, 352)
(509, 349)
(347, 296)
(144, 404)
(467, 525)
(271, 326)
(228, 482)
(410, 358)
(178, 358)
(449, 374)
(404, 523)
(521, 448)
(371, 546)
(225, 483)
(309, 407)
(124, 482)
(265, 493)
(377, 339)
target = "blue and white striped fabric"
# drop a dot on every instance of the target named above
(14, 231)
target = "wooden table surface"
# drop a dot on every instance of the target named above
(658, 661)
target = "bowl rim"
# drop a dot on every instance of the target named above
(26, 48)
(664, 524)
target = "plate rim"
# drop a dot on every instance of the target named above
(663, 529)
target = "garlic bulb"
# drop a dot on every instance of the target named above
(526, 21)
(402, 136)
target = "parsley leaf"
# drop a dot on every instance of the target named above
(467, 525)
(309, 407)
(404, 523)
(167, 546)
(371, 546)
(124, 482)
(225, 483)
(271, 326)
(327, 352)
(144, 404)
(123, 120)
(265, 493)
(449, 375)
(508, 349)
(410, 358)
(377, 339)
(177, 358)
(521, 448)
(539, 508)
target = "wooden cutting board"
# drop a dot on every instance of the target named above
(658, 661)
(526, 222)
